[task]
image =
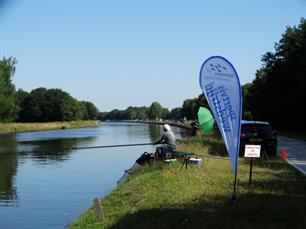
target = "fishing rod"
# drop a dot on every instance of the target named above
(111, 146)
(143, 144)
(209, 156)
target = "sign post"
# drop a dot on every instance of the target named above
(251, 167)
(252, 151)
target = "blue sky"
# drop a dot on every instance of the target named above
(130, 53)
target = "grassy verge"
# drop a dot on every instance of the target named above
(169, 196)
(25, 127)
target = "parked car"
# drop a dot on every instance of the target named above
(258, 133)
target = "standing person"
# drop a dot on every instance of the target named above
(194, 127)
(167, 141)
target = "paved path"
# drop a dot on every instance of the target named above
(296, 152)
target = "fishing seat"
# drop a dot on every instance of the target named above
(164, 152)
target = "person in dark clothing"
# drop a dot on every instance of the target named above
(195, 128)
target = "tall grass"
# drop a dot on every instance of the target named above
(170, 196)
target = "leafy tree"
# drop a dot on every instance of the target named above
(88, 110)
(246, 114)
(189, 109)
(114, 115)
(8, 100)
(277, 92)
(21, 95)
(155, 111)
(166, 113)
(102, 115)
(42, 105)
(175, 113)
(131, 113)
(141, 113)
(201, 101)
(32, 106)
(65, 107)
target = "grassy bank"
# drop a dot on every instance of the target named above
(25, 127)
(169, 196)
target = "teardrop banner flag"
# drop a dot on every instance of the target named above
(221, 86)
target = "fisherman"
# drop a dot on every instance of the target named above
(167, 147)
(163, 152)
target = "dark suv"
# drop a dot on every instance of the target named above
(258, 133)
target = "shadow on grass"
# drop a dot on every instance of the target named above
(251, 211)
(279, 178)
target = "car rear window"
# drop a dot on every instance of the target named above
(259, 128)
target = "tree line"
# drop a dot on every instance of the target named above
(277, 93)
(155, 111)
(39, 105)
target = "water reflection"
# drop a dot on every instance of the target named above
(155, 132)
(42, 152)
(42, 179)
(52, 151)
(8, 170)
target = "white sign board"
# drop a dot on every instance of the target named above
(252, 151)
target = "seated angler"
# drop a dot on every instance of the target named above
(167, 147)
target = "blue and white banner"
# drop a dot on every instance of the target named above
(221, 86)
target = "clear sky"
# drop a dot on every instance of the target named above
(130, 53)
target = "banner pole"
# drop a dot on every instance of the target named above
(234, 195)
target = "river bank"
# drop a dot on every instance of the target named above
(170, 196)
(6, 128)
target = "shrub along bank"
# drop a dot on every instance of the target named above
(170, 196)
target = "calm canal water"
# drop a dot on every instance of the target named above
(45, 184)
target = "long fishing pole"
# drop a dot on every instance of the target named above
(111, 146)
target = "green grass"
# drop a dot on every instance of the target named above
(26, 127)
(169, 196)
